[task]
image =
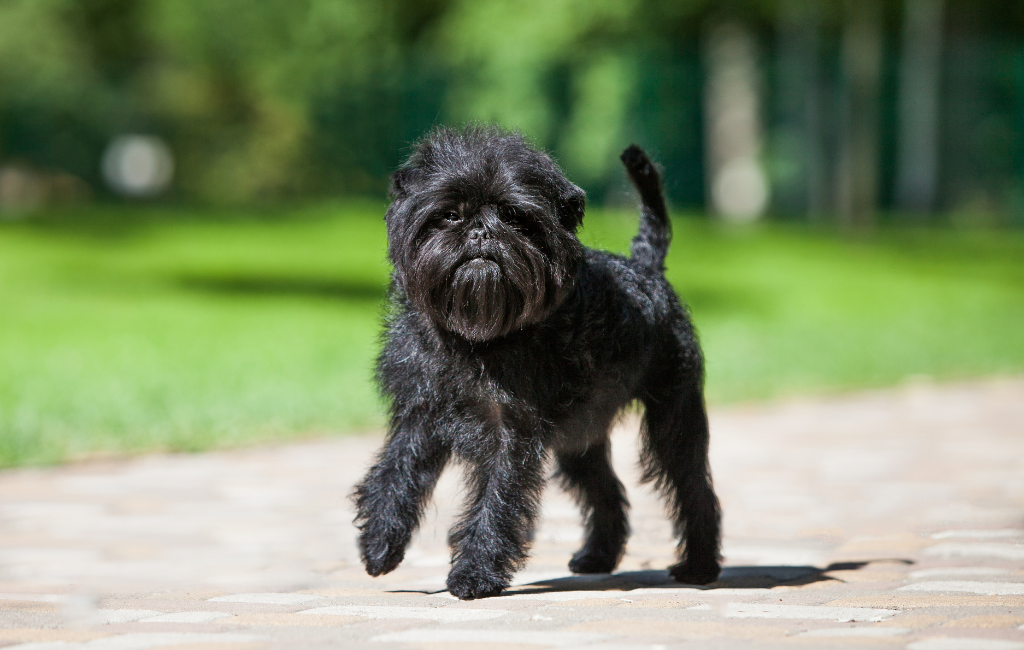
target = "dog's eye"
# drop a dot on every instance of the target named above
(511, 215)
(452, 216)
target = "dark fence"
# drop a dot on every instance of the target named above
(862, 108)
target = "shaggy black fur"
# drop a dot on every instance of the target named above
(508, 341)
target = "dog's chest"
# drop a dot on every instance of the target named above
(526, 377)
(567, 401)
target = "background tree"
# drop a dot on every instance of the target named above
(312, 97)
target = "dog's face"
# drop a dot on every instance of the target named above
(482, 232)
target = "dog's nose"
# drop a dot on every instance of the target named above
(478, 233)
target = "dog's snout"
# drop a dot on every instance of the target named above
(478, 233)
(481, 224)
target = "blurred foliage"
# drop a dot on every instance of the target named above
(308, 97)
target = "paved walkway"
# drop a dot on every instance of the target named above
(883, 519)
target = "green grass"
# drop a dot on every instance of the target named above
(127, 329)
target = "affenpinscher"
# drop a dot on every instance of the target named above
(507, 341)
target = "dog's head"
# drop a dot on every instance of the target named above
(482, 232)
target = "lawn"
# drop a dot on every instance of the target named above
(130, 329)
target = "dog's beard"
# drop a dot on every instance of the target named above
(485, 295)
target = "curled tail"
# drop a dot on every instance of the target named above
(651, 243)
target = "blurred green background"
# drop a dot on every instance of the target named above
(191, 192)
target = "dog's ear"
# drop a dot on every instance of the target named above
(572, 201)
(399, 182)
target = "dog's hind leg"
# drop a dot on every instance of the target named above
(674, 455)
(589, 477)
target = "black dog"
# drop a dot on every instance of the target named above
(508, 340)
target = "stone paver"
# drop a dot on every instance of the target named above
(889, 519)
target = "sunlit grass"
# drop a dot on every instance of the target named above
(783, 310)
(127, 330)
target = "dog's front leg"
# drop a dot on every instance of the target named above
(491, 540)
(390, 500)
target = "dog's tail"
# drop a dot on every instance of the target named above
(651, 243)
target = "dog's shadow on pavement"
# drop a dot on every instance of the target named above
(732, 577)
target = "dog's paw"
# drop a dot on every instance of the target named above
(586, 561)
(469, 584)
(379, 557)
(694, 573)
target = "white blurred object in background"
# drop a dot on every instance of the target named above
(920, 72)
(138, 165)
(737, 183)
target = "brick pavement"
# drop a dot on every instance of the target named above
(889, 519)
